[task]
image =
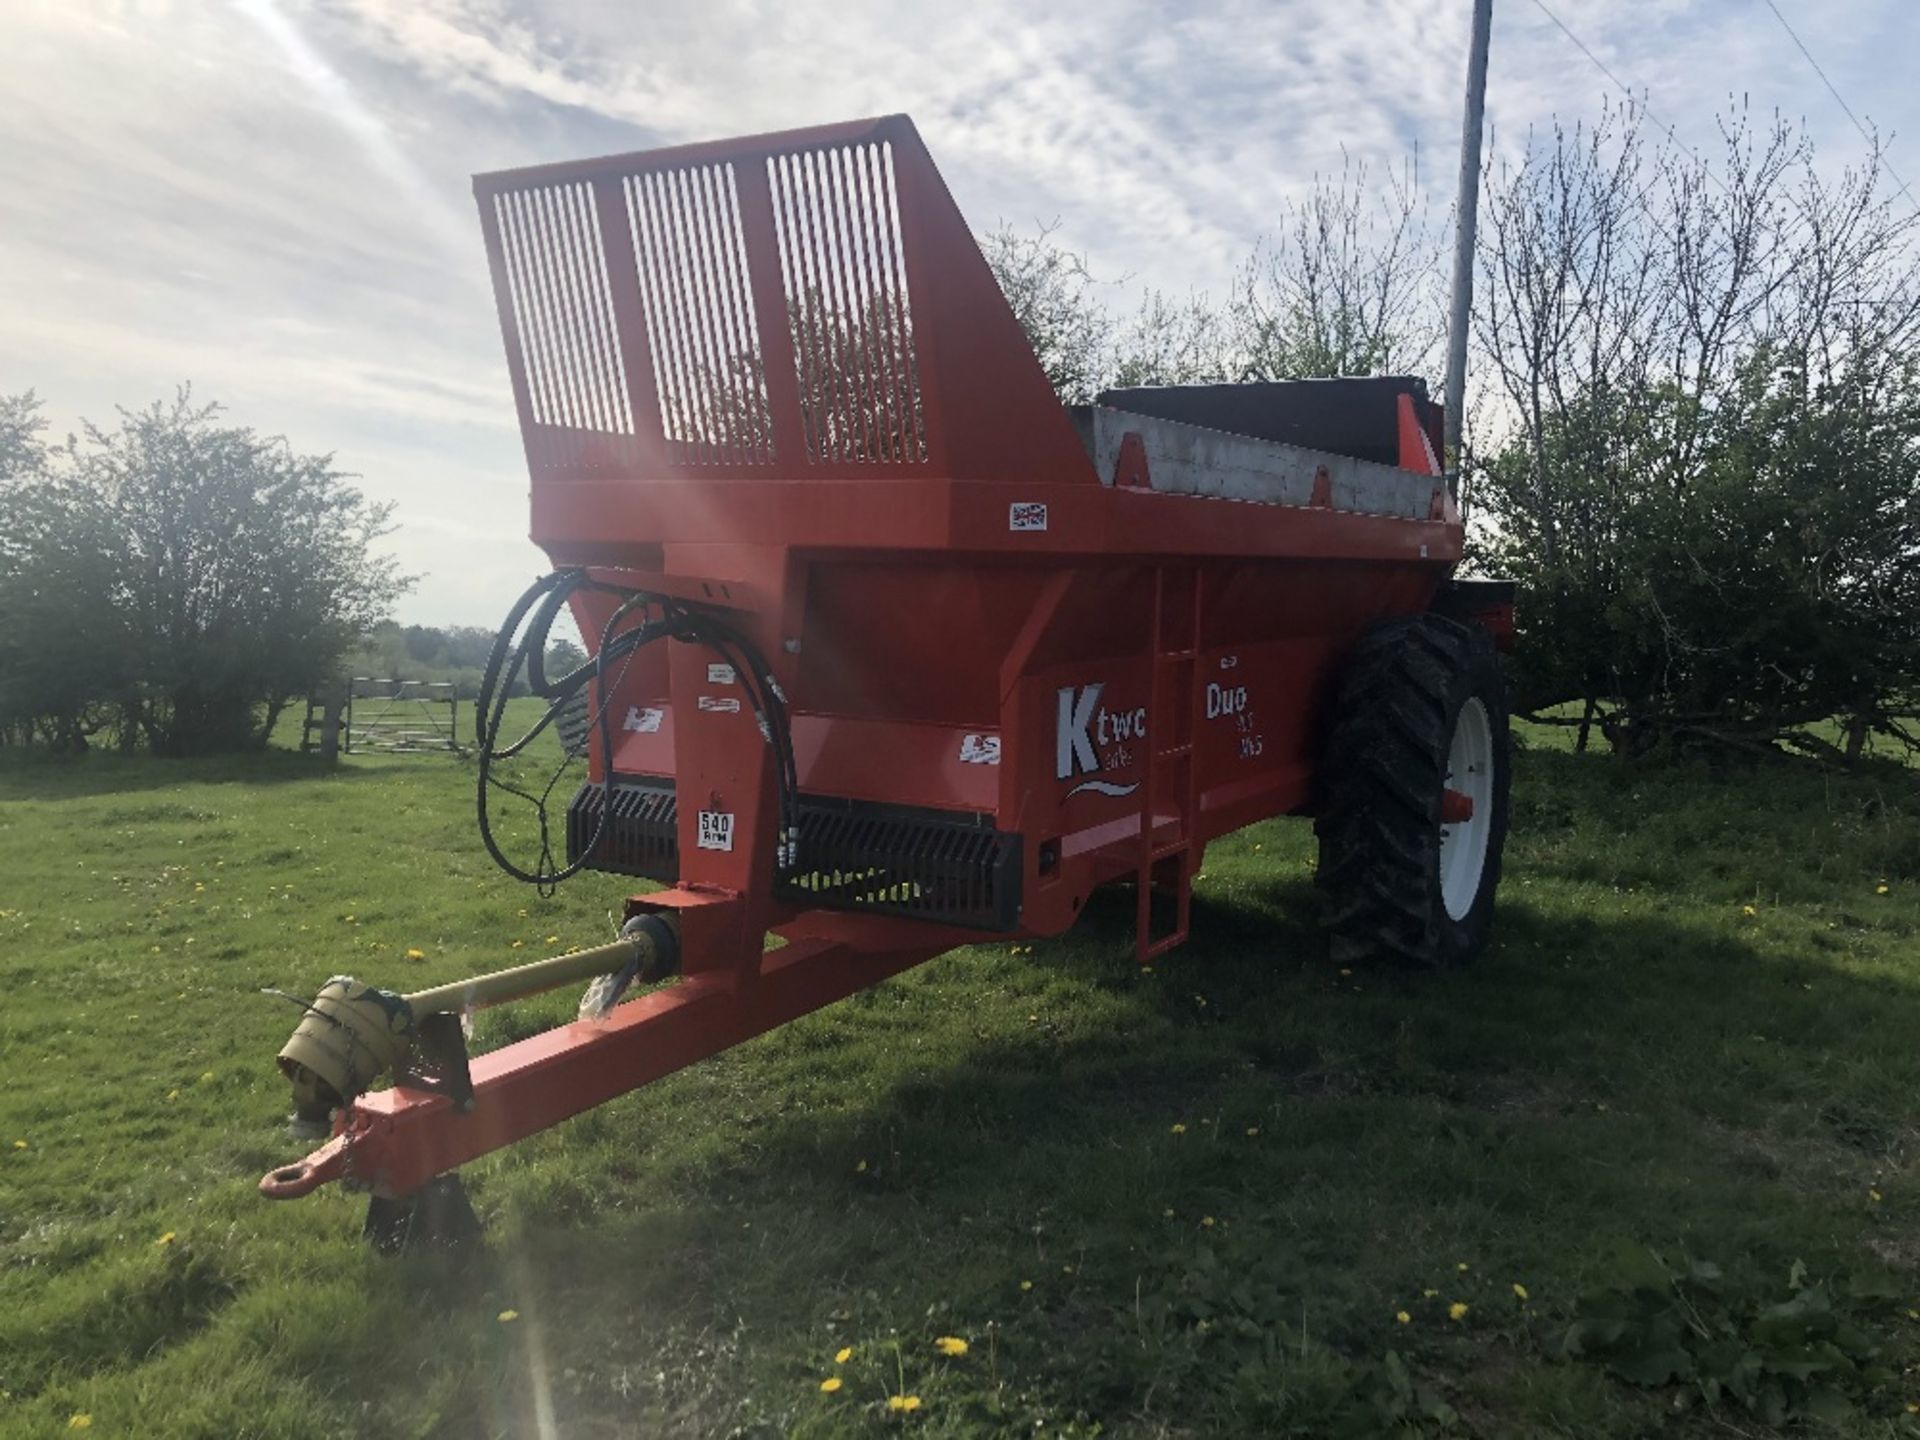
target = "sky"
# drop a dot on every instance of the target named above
(270, 198)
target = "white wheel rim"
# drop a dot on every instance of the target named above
(1463, 843)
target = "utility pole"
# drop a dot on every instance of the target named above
(1468, 208)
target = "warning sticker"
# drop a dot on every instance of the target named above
(642, 722)
(720, 704)
(1026, 515)
(716, 830)
(980, 750)
(720, 675)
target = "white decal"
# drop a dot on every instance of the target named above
(1225, 700)
(1073, 737)
(1102, 787)
(642, 722)
(720, 704)
(720, 675)
(1026, 515)
(1227, 662)
(979, 749)
(716, 830)
(1089, 738)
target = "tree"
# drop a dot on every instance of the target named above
(1346, 285)
(65, 651)
(23, 454)
(184, 576)
(1054, 298)
(1706, 449)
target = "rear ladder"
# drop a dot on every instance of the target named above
(1169, 801)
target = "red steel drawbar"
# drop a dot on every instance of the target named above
(775, 376)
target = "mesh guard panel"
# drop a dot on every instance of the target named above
(856, 855)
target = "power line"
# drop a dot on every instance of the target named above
(1644, 104)
(1872, 142)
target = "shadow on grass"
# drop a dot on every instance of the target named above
(33, 774)
(1595, 1081)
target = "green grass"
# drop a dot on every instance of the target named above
(1696, 1030)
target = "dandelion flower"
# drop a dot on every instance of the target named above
(1179, 1129)
(1028, 1285)
(1167, 1214)
(1520, 1291)
(1403, 1317)
(951, 1346)
(1252, 1130)
(80, 1422)
(1461, 1267)
(19, 1144)
(166, 1239)
(1206, 1222)
(861, 1168)
(1428, 1294)
(507, 1317)
(1457, 1310)
(1881, 888)
(416, 954)
(553, 939)
(903, 1403)
(206, 1077)
(830, 1384)
(843, 1354)
(1875, 1196)
(1748, 910)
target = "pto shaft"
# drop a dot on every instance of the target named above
(522, 981)
(354, 1033)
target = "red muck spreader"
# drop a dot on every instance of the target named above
(892, 652)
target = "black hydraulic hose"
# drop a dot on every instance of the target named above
(542, 602)
(497, 655)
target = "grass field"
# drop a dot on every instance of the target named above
(1242, 1193)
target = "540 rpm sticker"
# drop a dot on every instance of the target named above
(716, 830)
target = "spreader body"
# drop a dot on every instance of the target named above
(1028, 650)
(1024, 650)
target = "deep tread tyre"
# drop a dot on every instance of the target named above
(1408, 686)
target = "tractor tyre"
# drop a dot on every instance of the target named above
(1419, 735)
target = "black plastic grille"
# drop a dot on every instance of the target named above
(854, 855)
(642, 838)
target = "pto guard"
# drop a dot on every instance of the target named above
(351, 1035)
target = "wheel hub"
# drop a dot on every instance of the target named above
(1466, 809)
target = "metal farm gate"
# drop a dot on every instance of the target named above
(402, 716)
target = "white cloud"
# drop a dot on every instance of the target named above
(269, 197)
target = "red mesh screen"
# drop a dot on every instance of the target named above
(836, 216)
(780, 306)
(557, 285)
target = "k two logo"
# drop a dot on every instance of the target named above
(1090, 738)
